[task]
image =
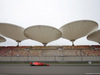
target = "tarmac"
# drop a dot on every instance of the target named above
(26, 69)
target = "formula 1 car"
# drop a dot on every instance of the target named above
(38, 64)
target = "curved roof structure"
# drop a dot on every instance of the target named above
(12, 31)
(95, 36)
(78, 29)
(2, 39)
(42, 33)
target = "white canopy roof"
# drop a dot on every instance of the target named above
(12, 31)
(42, 33)
(95, 36)
(78, 29)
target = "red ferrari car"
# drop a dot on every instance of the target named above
(38, 64)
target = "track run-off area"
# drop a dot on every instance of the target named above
(26, 69)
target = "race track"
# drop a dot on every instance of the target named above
(25, 69)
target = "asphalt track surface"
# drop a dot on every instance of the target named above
(25, 69)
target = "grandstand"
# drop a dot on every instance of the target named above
(50, 53)
(45, 34)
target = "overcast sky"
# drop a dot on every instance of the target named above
(54, 13)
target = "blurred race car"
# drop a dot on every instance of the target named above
(38, 64)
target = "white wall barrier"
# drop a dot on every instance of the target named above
(85, 58)
(5, 58)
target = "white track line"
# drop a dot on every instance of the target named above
(92, 73)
